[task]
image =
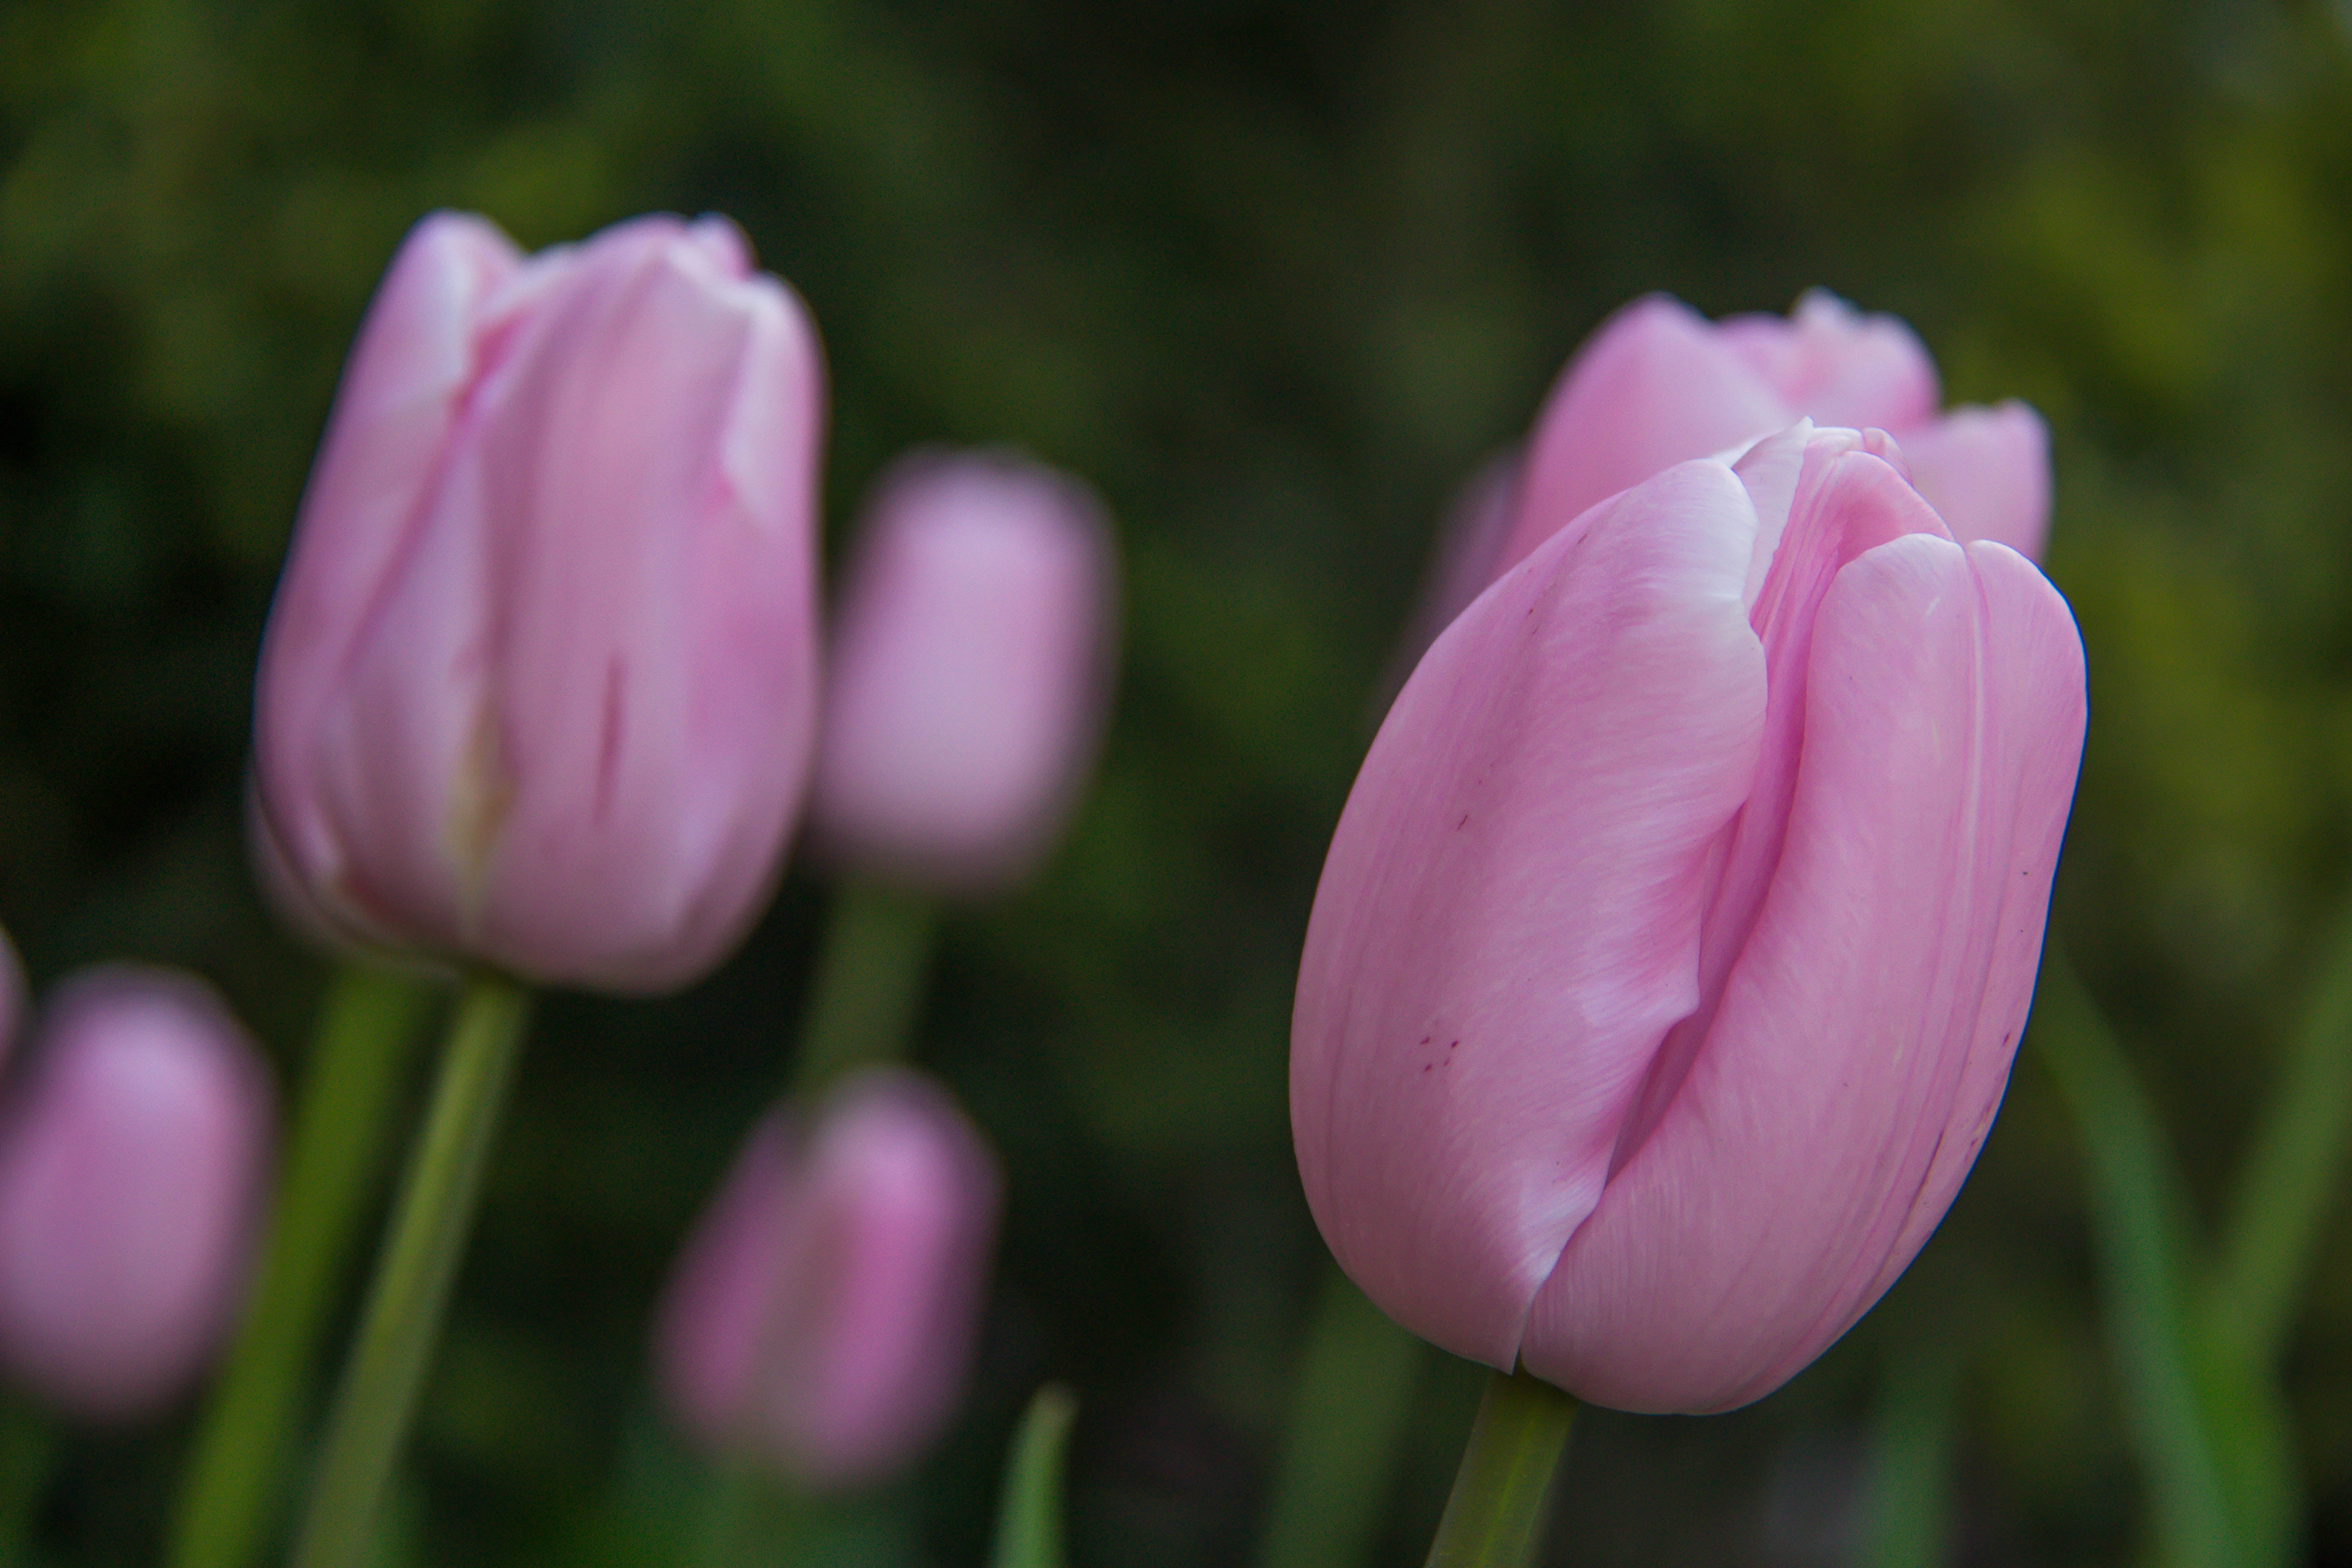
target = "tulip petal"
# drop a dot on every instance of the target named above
(368, 498)
(1507, 924)
(1654, 386)
(1846, 501)
(1986, 473)
(1838, 366)
(1867, 1031)
(634, 548)
(716, 1306)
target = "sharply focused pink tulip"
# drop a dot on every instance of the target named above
(822, 1314)
(540, 685)
(1672, 949)
(968, 674)
(1658, 385)
(131, 1167)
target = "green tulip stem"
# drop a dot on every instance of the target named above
(1503, 1492)
(868, 989)
(1911, 1462)
(419, 1261)
(342, 1132)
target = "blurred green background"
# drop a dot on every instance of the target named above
(1275, 277)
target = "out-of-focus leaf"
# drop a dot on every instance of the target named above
(1911, 1462)
(1029, 1516)
(2208, 1430)
(2288, 1185)
(1355, 1389)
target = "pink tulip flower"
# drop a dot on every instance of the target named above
(1673, 945)
(967, 675)
(131, 1173)
(538, 689)
(1658, 385)
(821, 1316)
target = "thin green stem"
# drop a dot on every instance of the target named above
(1502, 1494)
(413, 1277)
(1911, 1463)
(868, 988)
(2289, 1184)
(343, 1131)
(1347, 1413)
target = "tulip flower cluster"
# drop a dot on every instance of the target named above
(1660, 988)
(131, 1165)
(540, 696)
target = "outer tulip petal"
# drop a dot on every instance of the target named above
(417, 351)
(1656, 385)
(1509, 921)
(1867, 1028)
(1987, 471)
(1846, 499)
(1838, 366)
(707, 1334)
(630, 554)
(886, 1268)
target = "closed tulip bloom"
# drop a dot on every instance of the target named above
(822, 1314)
(1674, 945)
(1658, 385)
(131, 1171)
(968, 669)
(539, 687)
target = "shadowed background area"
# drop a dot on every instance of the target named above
(1276, 278)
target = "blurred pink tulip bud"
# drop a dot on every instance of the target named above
(1672, 949)
(1658, 385)
(969, 672)
(538, 689)
(822, 1314)
(132, 1175)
